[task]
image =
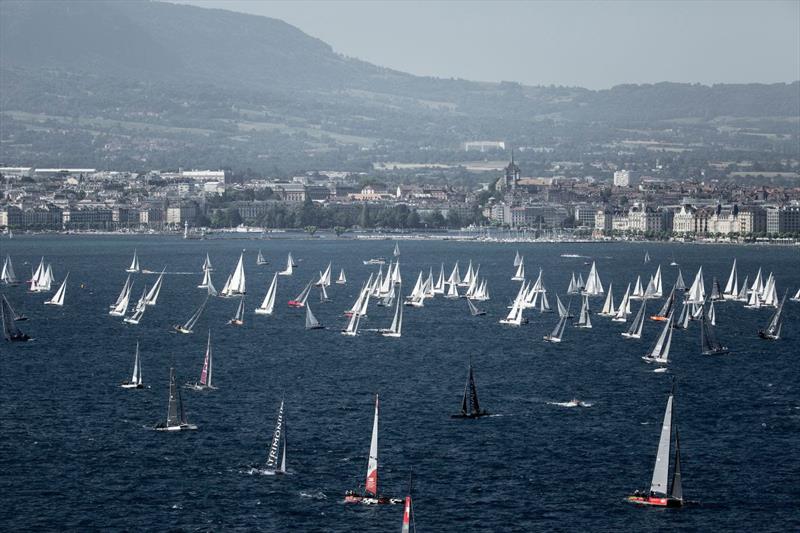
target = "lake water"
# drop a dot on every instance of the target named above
(76, 452)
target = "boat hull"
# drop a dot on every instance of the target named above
(260, 311)
(548, 338)
(768, 337)
(181, 329)
(295, 304)
(658, 318)
(182, 427)
(127, 385)
(368, 500)
(655, 501)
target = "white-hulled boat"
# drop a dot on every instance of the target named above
(584, 318)
(558, 331)
(138, 311)
(608, 306)
(311, 320)
(238, 318)
(134, 268)
(289, 270)
(594, 287)
(260, 259)
(731, 291)
(189, 325)
(58, 297)
(519, 275)
(396, 329)
(341, 280)
(121, 306)
(8, 276)
(635, 329)
(206, 374)
(268, 304)
(659, 353)
(773, 329)
(236, 285)
(207, 263)
(136, 379)
(152, 296)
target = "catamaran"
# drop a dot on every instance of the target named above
(584, 319)
(635, 329)
(58, 297)
(470, 407)
(341, 280)
(152, 296)
(260, 261)
(11, 332)
(370, 494)
(208, 369)
(134, 268)
(8, 276)
(773, 330)
(396, 329)
(276, 458)
(189, 325)
(136, 379)
(709, 344)
(235, 285)
(269, 300)
(661, 493)
(121, 305)
(311, 320)
(659, 353)
(238, 318)
(473, 310)
(289, 266)
(558, 331)
(300, 300)
(176, 415)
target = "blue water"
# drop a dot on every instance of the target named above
(75, 451)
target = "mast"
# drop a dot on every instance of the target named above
(172, 408)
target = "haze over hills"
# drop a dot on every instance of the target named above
(148, 84)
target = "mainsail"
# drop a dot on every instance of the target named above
(152, 296)
(8, 276)
(134, 268)
(236, 285)
(773, 331)
(659, 353)
(371, 484)
(635, 329)
(709, 343)
(189, 325)
(58, 297)
(311, 320)
(396, 328)
(269, 300)
(276, 458)
(10, 330)
(470, 406)
(659, 484)
(594, 287)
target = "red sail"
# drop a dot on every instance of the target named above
(407, 516)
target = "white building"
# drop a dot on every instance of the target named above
(484, 146)
(622, 178)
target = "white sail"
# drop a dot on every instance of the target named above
(289, 266)
(584, 319)
(121, 307)
(638, 291)
(635, 330)
(697, 292)
(796, 297)
(8, 276)
(371, 485)
(608, 305)
(206, 280)
(659, 353)
(397, 322)
(624, 307)
(269, 300)
(352, 325)
(311, 320)
(659, 483)
(658, 284)
(152, 296)
(207, 263)
(758, 283)
(455, 277)
(341, 280)
(238, 318)
(58, 297)
(594, 287)
(519, 275)
(731, 288)
(467, 279)
(134, 264)
(260, 259)
(136, 378)
(189, 325)
(452, 291)
(325, 278)
(712, 314)
(573, 288)
(396, 252)
(439, 287)
(237, 285)
(562, 311)
(274, 449)
(517, 259)
(417, 290)
(396, 278)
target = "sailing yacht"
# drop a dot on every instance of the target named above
(289, 266)
(152, 296)
(697, 292)
(235, 285)
(134, 268)
(300, 300)
(796, 297)
(276, 458)
(732, 287)
(558, 331)
(709, 343)
(396, 251)
(269, 300)
(519, 275)
(773, 330)
(311, 320)
(646, 257)
(473, 310)
(136, 379)
(584, 319)
(42, 278)
(206, 283)
(594, 287)
(208, 369)
(121, 305)
(189, 325)
(470, 407)
(638, 291)
(8, 276)
(396, 328)
(176, 415)
(673, 263)
(608, 306)
(659, 353)
(517, 259)
(260, 261)
(341, 280)
(11, 332)
(207, 264)
(635, 330)
(662, 493)
(624, 308)
(351, 330)
(370, 494)
(666, 309)
(138, 311)
(238, 318)
(325, 277)
(716, 291)
(58, 297)
(679, 283)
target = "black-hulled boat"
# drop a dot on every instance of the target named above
(470, 407)
(709, 344)
(773, 330)
(11, 332)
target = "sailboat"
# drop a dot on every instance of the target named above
(351, 330)
(396, 251)
(712, 314)
(176, 415)
(659, 353)
(594, 287)
(207, 372)
(206, 283)
(608, 306)
(679, 283)
(638, 291)
(370, 494)
(584, 319)
(661, 493)
(42, 278)
(742, 297)
(796, 297)
(8, 276)
(189, 325)
(635, 330)
(470, 407)
(646, 257)
(408, 515)
(58, 297)
(207, 264)
(341, 280)
(152, 296)
(269, 300)
(563, 312)
(624, 307)
(514, 317)
(517, 259)
(666, 309)
(134, 268)
(716, 291)
(136, 379)
(773, 330)
(236, 285)
(11, 332)
(325, 277)
(311, 320)
(260, 261)
(673, 263)
(558, 331)
(121, 306)
(732, 287)
(519, 275)
(138, 311)
(709, 344)
(276, 458)
(473, 310)
(697, 292)
(289, 266)
(300, 300)
(396, 328)
(238, 318)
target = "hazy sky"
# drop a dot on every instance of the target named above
(590, 44)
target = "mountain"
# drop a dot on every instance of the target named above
(139, 83)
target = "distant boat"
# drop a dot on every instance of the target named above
(673, 262)
(58, 297)
(375, 261)
(260, 259)
(42, 278)
(624, 308)
(238, 318)
(796, 297)
(519, 275)
(134, 268)
(189, 325)
(11, 331)
(136, 379)
(276, 458)
(206, 374)
(269, 300)
(661, 493)
(206, 283)
(773, 329)
(697, 292)
(176, 414)
(396, 329)
(470, 407)
(517, 259)
(732, 287)
(371, 494)
(563, 312)
(408, 515)
(594, 287)
(716, 291)
(742, 297)
(311, 320)
(289, 266)
(351, 329)
(709, 343)
(235, 285)
(139, 310)
(300, 300)
(635, 330)
(514, 317)
(341, 280)
(121, 305)
(396, 252)
(638, 290)
(152, 296)
(659, 353)
(558, 331)
(473, 310)
(207, 264)
(584, 319)
(8, 276)
(608, 306)
(646, 257)
(679, 283)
